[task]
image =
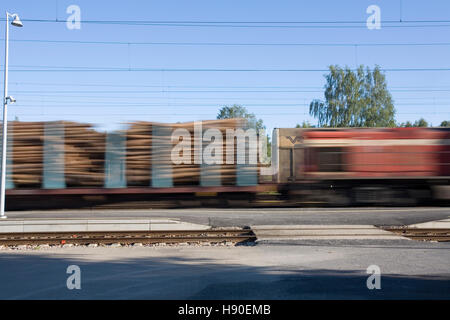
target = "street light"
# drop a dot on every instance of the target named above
(17, 23)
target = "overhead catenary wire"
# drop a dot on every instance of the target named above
(215, 105)
(323, 44)
(215, 113)
(102, 98)
(186, 86)
(146, 69)
(207, 91)
(333, 24)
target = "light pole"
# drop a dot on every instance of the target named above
(17, 23)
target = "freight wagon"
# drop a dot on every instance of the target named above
(67, 165)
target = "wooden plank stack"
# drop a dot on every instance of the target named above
(140, 140)
(27, 153)
(84, 151)
(84, 154)
(138, 161)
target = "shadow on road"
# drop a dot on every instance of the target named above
(43, 276)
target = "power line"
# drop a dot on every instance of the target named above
(169, 86)
(214, 113)
(91, 98)
(231, 43)
(170, 91)
(154, 86)
(211, 104)
(121, 69)
(207, 91)
(278, 26)
(240, 21)
(335, 24)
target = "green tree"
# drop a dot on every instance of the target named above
(408, 124)
(354, 99)
(418, 123)
(445, 123)
(421, 123)
(237, 111)
(305, 124)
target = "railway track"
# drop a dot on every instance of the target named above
(189, 236)
(423, 234)
(128, 237)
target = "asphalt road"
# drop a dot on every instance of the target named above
(245, 217)
(315, 270)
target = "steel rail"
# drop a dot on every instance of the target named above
(429, 234)
(127, 237)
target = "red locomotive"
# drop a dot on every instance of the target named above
(367, 165)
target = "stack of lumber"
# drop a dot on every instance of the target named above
(82, 157)
(83, 154)
(140, 143)
(138, 161)
(84, 151)
(27, 153)
(226, 172)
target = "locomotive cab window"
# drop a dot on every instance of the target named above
(330, 159)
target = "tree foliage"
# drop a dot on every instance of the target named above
(445, 123)
(305, 124)
(237, 111)
(354, 99)
(418, 123)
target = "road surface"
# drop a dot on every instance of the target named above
(304, 270)
(274, 216)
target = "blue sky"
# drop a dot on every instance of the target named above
(111, 98)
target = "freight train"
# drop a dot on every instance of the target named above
(70, 165)
(373, 166)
